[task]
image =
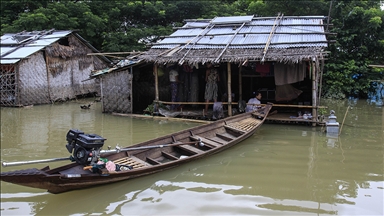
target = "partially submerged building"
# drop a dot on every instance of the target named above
(280, 56)
(117, 84)
(42, 67)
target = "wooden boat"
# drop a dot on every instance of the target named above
(138, 160)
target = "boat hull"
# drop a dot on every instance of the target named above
(214, 137)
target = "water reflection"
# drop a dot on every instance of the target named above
(282, 169)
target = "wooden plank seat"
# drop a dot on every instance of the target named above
(131, 161)
(190, 149)
(152, 161)
(230, 134)
(211, 143)
(169, 156)
(245, 125)
(218, 140)
(224, 137)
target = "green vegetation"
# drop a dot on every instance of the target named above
(128, 25)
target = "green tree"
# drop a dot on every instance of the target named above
(128, 25)
(360, 30)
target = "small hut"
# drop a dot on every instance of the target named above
(117, 84)
(280, 56)
(42, 67)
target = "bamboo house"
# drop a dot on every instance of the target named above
(42, 67)
(282, 57)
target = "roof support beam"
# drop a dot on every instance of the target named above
(275, 24)
(229, 42)
(199, 36)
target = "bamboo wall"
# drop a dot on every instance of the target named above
(66, 83)
(8, 85)
(33, 87)
(56, 74)
(117, 92)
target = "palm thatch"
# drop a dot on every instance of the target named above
(243, 38)
(292, 55)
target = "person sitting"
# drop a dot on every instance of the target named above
(252, 103)
(218, 112)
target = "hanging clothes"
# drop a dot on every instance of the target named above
(288, 74)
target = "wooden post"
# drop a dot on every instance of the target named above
(156, 82)
(229, 89)
(240, 84)
(314, 94)
(320, 80)
(17, 85)
(48, 83)
(101, 94)
(131, 89)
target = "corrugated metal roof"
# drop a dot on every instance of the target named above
(222, 31)
(233, 19)
(15, 47)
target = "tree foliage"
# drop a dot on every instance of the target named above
(360, 31)
(131, 25)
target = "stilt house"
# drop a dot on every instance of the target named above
(42, 67)
(282, 57)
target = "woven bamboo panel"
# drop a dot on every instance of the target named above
(33, 80)
(8, 85)
(117, 95)
(66, 78)
(245, 124)
(129, 162)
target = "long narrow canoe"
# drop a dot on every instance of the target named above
(144, 158)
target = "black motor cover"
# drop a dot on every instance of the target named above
(85, 147)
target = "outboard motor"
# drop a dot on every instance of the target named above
(85, 148)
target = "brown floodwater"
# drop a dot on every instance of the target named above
(280, 170)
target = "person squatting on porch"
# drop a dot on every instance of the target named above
(211, 88)
(252, 103)
(174, 79)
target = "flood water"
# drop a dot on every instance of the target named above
(280, 170)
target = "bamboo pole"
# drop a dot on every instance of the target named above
(345, 115)
(271, 35)
(321, 79)
(192, 103)
(131, 89)
(240, 84)
(162, 118)
(48, 80)
(298, 106)
(275, 105)
(229, 82)
(314, 95)
(114, 53)
(156, 82)
(102, 94)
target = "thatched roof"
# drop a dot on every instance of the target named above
(242, 38)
